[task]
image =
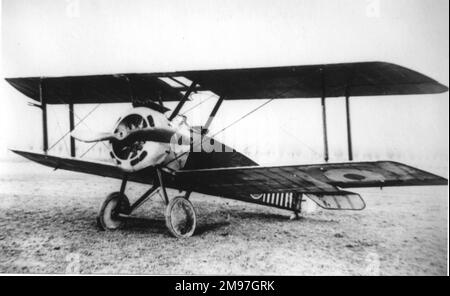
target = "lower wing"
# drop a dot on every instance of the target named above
(275, 186)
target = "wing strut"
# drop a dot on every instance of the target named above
(324, 116)
(183, 100)
(324, 119)
(349, 128)
(44, 117)
(71, 128)
(213, 113)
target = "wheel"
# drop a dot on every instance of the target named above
(108, 216)
(181, 218)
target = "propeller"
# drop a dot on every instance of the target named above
(154, 134)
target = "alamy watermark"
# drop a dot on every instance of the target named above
(73, 8)
(373, 8)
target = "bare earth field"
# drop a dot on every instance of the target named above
(47, 225)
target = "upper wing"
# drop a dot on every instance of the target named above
(313, 179)
(312, 81)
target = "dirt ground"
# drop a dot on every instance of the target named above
(47, 225)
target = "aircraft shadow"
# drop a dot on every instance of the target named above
(145, 224)
(272, 217)
(260, 216)
(209, 227)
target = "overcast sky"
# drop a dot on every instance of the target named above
(56, 37)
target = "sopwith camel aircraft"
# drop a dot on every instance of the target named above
(153, 145)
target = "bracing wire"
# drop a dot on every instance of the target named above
(300, 141)
(89, 149)
(242, 117)
(82, 121)
(198, 104)
(78, 123)
(60, 130)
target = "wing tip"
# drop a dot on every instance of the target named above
(439, 180)
(24, 153)
(16, 151)
(443, 88)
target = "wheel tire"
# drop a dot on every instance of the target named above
(107, 218)
(181, 218)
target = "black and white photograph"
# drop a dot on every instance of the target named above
(243, 138)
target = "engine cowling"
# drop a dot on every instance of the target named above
(137, 154)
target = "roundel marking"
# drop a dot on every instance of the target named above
(256, 196)
(356, 177)
(345, 175)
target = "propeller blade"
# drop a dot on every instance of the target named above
(89, 137)
(156, 134)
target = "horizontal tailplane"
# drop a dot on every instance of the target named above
(343, 200)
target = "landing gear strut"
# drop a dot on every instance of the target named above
(180, 216)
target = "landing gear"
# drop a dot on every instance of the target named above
(180, 216)
(109, 216)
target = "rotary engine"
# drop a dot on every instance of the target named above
(134, 153)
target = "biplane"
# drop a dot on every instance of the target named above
(153, 145)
